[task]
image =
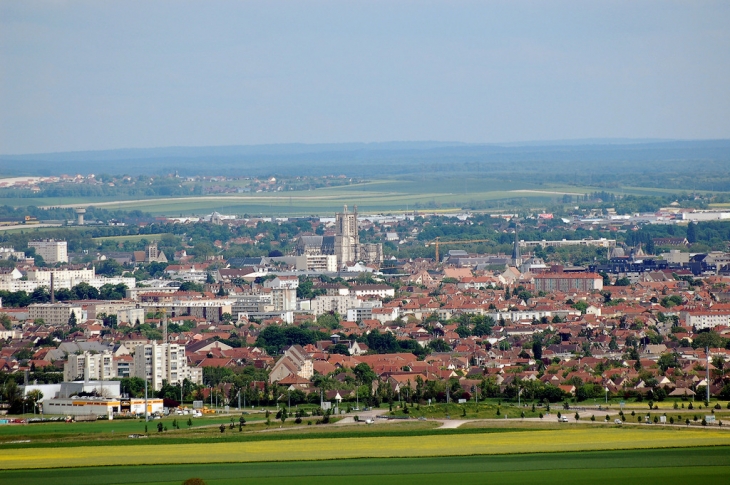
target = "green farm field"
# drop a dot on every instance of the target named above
(645, 467)
(574, 439)
(389, 195)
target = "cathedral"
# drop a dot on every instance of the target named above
(345, 244)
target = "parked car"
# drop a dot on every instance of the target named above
(563, 419)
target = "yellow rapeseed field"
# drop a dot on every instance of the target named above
(318, 449)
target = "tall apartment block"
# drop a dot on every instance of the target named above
(50, 250)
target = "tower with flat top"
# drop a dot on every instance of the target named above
(347, 238)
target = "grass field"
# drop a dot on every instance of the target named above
(575, 439)
(389, 195)
(645, 467)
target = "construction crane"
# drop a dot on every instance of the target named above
(436, 242)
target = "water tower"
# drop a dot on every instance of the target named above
(80, 211)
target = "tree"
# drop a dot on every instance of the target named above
(6, 321)
(439, 345)
(191, 286)
(338, 349)
(34, 397)
(364, 373)
(667, 360)
(72, 319)
(691, 233)
(537, 350)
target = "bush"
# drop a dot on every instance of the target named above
(194, 481)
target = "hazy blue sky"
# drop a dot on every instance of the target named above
(81, 75)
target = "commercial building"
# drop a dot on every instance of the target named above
(50, 250)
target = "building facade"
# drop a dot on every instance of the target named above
(163, 362)
(565, 282)
(89, 366)
(50, 250)
(55, 313)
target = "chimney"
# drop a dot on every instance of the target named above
(53, 295)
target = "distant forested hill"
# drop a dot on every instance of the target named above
(684, 165)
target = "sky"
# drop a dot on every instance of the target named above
(90, 75)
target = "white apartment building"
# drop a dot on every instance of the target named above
(382, 291)
(8, 253)
(50, 250)
(55, 313)
(163, 362)
(324, 263)
(704, 319)
(340, 304)
(62, 278)
(74, 276)
(89, 366)
(283, 293)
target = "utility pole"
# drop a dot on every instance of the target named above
(146, 415)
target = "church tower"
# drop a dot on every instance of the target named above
(347, 238)
(516, 257)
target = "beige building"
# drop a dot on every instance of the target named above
(50, 250)
(55, 313)
(295, 361)
(210, 310)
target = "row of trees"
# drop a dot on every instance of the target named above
(82, 291)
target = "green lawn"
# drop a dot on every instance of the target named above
(644, 467)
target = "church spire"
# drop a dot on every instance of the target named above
(516, 258)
